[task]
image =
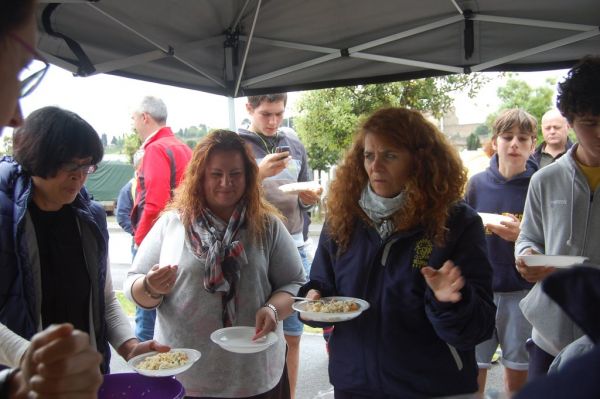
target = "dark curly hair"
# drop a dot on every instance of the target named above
(435, 185)
(579, 93)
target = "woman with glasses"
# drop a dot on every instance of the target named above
(54, 240)
(69, 364)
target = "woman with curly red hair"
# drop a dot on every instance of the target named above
(399, 236)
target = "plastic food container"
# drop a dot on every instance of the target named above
(134, 385)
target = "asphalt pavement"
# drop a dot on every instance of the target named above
(313, 377)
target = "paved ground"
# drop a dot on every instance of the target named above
(313, 376)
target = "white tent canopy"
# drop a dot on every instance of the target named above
(244, 47)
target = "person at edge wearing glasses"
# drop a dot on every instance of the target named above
(282, 159)
(54, 244)
(60, 344)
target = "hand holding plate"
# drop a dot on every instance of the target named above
(507, 229)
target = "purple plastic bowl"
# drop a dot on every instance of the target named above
(134, 386)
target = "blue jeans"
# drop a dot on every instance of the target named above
(144, 319)
(144, 323)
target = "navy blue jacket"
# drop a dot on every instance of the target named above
(490, 192)
(407, 345)
(577, 291)
(124, 207)
(17, 291)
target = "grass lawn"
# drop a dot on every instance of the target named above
(126, 304)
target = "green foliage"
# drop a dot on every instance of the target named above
(104, 140)
(131, 143)
(518, 94)
(473, 142)
(6, 148)
(482, 130)
(328, 118)
(193, 132)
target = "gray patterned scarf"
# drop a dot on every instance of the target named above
(218, 242)
(379, 209)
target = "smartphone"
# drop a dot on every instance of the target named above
(283, 148)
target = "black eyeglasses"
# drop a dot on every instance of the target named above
(29, 84)
(73, 167)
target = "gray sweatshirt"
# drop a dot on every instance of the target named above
(561, 217)
(187, 316)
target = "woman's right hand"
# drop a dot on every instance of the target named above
(313, 295)
(162, 279)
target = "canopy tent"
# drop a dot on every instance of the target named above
(244, 47)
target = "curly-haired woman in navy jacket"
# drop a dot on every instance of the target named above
(399, 236)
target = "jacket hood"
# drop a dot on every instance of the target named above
(530, 168)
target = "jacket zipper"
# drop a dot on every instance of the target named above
(456, 356)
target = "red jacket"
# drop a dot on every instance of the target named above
(163, 164)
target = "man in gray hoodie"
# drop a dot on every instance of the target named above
(561, 216)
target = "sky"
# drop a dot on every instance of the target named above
(106, 101)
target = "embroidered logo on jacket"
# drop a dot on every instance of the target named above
(423, 250)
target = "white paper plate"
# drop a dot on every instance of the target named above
(493, 218)
(193, 356)
(331, 317)
(239, 339)
(172, 245)
(295, 188)
(562, 261)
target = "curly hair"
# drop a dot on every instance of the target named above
(189, 197)
(436, 182)
(579, 93)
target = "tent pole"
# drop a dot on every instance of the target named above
(241, 72)
(231, 109)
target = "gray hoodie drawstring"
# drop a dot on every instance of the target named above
(569, 241)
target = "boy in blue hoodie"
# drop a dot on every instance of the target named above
(502, 189)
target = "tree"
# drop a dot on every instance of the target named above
(518, 94)
(482, 130)
(473, 142)
(104, 140)
(132, 143)
(114, 141)
(327, 118)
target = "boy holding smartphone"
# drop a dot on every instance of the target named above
(282, 159)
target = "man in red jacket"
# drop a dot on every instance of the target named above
(163, 163)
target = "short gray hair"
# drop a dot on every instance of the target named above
(155, 107)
